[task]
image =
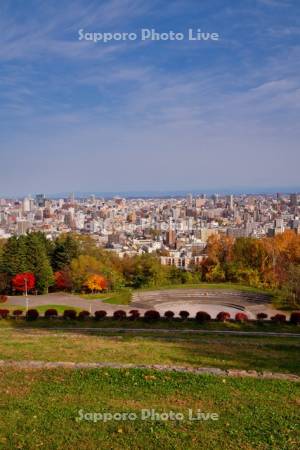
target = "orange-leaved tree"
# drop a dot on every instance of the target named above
(96, 283)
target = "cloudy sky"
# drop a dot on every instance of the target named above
(149, 115)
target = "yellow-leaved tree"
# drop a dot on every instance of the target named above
(96, 283)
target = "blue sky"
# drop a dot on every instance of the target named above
(138, 116)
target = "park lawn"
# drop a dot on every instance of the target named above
(122, 297)
(39, 409)
(161, 324)
(275, 354)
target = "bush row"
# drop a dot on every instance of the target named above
(151, 315)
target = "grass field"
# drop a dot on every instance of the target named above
(39, 410)
(175, 324)
(39, 407)
(226, 352)
(122, 297)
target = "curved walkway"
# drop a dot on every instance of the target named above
(65, 299)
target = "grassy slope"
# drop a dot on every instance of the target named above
(39, 410)
(260, 353)
(175, 324)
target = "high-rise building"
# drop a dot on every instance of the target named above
(215, 198)
(229, 201)
(26, 205)
(171, 238)
(40, 200)
(293, 199)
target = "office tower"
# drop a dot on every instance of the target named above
(229, 201)
(190, 200)
(40, 200)
(171, 238)
(26, 205)
(293, 199)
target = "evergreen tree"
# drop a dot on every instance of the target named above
(65, 250)
(14, 256)
(38, 261)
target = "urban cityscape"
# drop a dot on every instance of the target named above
(149, 225)
(176, 229)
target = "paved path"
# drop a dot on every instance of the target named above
(68, 300)
(44, 365)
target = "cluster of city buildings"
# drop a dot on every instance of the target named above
(177, 229)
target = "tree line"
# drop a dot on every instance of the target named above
(74, 262)
(270, 262)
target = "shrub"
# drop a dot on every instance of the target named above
(134, 314)
(279, 318)
(184, 314)
(202, 316)
(17, 312)
(151, 315)
(295, 318)
(119, 314)
(241, 317)
(169, 315)
(49, 313)
(4, 313)
(32, 314)
(3, 298)
(100, 314)
(261, 316)
(83, 315)
(223, 316)
(70, 314)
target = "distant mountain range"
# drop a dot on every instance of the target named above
(178, 193)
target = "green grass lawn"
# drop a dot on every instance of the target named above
(39, 410)
(175, 324)
(227, 352)
(122, 297)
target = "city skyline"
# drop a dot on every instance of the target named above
(140, 116)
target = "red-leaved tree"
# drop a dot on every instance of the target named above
(63, 280)
(20, 281)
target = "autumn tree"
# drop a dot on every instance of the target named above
(24, 281)
(81, 268)
(63, 280)
(96, 283)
